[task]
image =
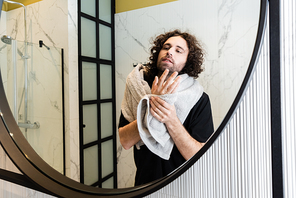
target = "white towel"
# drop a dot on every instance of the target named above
(154, 133)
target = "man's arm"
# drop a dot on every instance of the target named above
(166, 114)
(187, 145)
(129, 135)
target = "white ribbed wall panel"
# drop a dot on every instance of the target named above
(238, 164)
(288, 87)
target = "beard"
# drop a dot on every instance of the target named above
(163, 66)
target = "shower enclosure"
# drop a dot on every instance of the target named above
(24, 123)
(32, 74)
(35, 97)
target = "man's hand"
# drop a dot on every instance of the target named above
(163, 111)
(160, 109)
(162, 86)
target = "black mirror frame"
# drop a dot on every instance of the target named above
(38, 175)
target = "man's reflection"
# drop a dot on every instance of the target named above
(166, 115)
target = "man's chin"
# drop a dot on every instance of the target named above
(163, 67)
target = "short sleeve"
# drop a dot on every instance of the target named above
(199, 122)
(122, 121)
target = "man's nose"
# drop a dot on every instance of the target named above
(169, 53)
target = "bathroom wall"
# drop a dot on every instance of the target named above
(227, 30)
(51, 22)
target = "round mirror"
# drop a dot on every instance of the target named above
(228, 32)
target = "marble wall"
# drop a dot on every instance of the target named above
(227, 30)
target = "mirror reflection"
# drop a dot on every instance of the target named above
(226, 30)
(166, 116)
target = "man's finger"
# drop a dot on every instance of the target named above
(163, 77)
(173, 87)
(159, 103)
(154, 85)
(170, 80)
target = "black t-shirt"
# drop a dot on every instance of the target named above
(150, 167)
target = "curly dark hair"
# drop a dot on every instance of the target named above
(195, 57)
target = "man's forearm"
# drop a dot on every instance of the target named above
(185, 143)
(129, 135)
(166, 114)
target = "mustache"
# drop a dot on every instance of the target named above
(167, 58)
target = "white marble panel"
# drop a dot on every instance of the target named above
(227, 31)
(71, 95)
(126, 169)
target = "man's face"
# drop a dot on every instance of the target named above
(173, 55)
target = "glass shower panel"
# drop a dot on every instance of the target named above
(105, 42)
(105, 10)
(106, 120)
(109, 183)
(8, 73)
(106, 81)
(34, 92)
(89, 7)
(89, 81)
(88, 38)
(91, 167)
(90, 120)
(107, 158)
(3, 64)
